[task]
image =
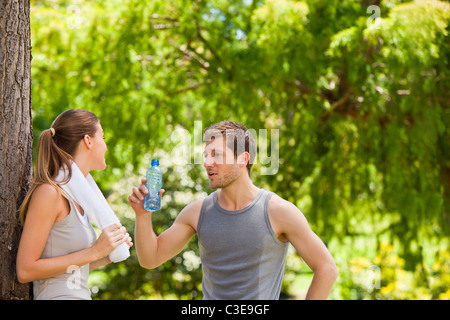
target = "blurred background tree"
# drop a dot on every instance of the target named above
(360, 99)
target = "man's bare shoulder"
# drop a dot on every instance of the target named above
(193, 206)
(190, 214)
(280, 206)
(284, 215)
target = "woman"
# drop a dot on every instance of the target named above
(58, 246)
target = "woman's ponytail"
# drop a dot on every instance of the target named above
(49, 159)
(56, 147)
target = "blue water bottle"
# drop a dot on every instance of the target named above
(152, 200)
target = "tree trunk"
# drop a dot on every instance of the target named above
(16, 143)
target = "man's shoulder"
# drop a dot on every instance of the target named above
(285, 217)
(281, 210)
(278, 204)
(191, 213)
(195, 205)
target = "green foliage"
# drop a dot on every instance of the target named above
(362, 107)
(384, 278)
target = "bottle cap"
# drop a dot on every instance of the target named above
(155, 162)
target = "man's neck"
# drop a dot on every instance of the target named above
(237, 195)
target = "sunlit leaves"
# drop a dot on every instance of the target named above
(362, 109)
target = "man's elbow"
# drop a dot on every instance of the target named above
(147, 264)
(335, 273)
(328, 271)
(331, 271)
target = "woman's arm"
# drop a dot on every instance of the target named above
(104, 261)
(45, 208)
(99, 263)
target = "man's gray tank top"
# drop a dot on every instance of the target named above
(71, 234)
(241, 256)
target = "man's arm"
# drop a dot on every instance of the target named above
(290, 224)
(153, 250)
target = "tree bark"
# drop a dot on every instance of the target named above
(16, 142)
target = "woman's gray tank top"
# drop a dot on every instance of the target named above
(241, 256)
(71, 234)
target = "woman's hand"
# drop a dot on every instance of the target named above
(110, 238)
(128, 239)
(136, 198)
(105, 260)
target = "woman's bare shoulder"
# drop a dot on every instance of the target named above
(47, 200)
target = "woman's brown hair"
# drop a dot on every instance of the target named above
(56, 147)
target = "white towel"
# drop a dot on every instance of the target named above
(86, 193)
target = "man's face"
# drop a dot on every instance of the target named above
(220, 164)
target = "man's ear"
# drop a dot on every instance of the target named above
(243, 159)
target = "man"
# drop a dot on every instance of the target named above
(243, 231)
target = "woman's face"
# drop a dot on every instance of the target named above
(98, 149)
